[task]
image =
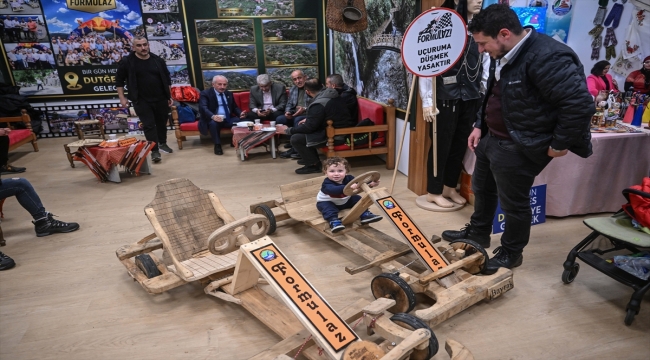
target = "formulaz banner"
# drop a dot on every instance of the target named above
(89, 38)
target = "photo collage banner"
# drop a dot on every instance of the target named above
(228, 45)
(71, 47)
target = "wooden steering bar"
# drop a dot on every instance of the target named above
(361, 180)
(237, 231)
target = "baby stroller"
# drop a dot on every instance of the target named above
(613, 234)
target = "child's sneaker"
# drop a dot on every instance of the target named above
(367, 217)
(336, 225)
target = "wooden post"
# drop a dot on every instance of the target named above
(406, 122)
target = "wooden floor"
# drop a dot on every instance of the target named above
(70, 298)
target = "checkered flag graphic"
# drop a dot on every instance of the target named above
(444, 22)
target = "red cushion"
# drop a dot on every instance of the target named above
(190, 126)
(371, 110)
(18, 135)
(242, 99)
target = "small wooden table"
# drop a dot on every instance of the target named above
(80, 132)
(77, 144)
(240, 134)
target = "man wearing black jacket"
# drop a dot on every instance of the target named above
(149, 86)
(310, 133)
(537, 107)
(348, 94)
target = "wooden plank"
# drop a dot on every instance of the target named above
(291, 344)
(182, 271)
(457, 351)
(270, 311)
(128, 251)
(380, 259)
(357, 210)
(451, 268)
(405, 346)
(246, 276)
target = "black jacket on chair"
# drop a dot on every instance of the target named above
(544, 99)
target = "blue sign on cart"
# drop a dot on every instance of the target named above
(537, 207)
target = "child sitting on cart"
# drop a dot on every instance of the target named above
(331, 199)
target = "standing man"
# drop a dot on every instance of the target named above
(348, 94)
(267, 99)
(537, 107)
(149, 85)
(311, 133)
(216, 107)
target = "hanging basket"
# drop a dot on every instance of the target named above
(346, 16)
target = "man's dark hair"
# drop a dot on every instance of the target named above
(599, 66)
(313, 85)
(139, 37)
(494, 18)
(461, 8)
(336, 80)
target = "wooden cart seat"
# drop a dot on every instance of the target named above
(300, 201)
(183, 217)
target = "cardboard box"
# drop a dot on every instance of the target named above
(466, 187)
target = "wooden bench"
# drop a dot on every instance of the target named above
(383, 115)
(20, 137)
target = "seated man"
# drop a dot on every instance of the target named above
(216, 106)
(348, 94)
(44, 222)
(267, 99)
(5, 168)
(310, 133)
(298, 100)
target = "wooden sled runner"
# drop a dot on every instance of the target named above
(451, 275)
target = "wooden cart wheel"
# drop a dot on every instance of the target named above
(266, 211)
(471, 247)
(412, 323)
(392, 286)
(224, 239)
(363, 178)
(145, 263)
(363, 350)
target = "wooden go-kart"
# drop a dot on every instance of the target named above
(187, 222)
(450, 276)
(202, 242)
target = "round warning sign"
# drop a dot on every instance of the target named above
(434, 42)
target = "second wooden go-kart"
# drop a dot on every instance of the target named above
(451, 275)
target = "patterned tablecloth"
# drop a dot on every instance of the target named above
(108, 156)
(249, 139)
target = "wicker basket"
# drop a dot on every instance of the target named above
(336, 21)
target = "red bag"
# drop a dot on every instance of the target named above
(185, 93)
(638, 206)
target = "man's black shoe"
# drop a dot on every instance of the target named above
(49, 226)
(502, 258)
(296, 156)
(164, 148)
(9, 169)
(286, 154)
(217, 149)
(288, 146)
(6, 262)
(309, 169)
(468, 232)
(155, 156)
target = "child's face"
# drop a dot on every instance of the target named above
(336, 172)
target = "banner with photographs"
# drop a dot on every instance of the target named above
(228, 56)
(56, 47)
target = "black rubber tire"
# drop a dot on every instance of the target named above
(569, 275)
(407, 296)
(266, 211)
(145, 263)
(414, 323)
(629, 316)
(477, 248)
